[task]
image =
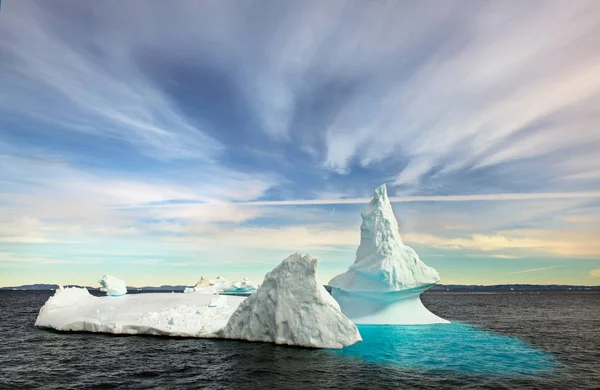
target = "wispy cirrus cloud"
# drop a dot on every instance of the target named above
(433, 198)
(535, 270)
(181, 126)
(53, 76)
(11, 259)
(558, 243)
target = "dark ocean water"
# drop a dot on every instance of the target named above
(528, 340)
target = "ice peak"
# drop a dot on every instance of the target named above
(380, 202)
(380, 195)
(383, 262)
(292, 307)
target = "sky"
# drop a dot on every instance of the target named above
(161, 141)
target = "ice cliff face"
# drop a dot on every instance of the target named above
(383, 262)
(291, 307)
(112, 286)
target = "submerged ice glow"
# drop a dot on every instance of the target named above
(450, 347)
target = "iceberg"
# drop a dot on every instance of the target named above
(202, 283)
(220, 285)
(242, 287)
(203, 286)
(112, 286)
(384, 284)
(183, 315)
(292, 307)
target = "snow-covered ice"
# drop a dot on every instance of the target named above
(292, 307)
(384, 284)
(187, 315)
(112, 286)
(242, 287)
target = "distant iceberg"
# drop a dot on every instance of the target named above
(203, 282)
(112, 286)
(242, 287)
(222, 286)
(384, 284)
(203, 286)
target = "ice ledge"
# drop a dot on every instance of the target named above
(400, 307)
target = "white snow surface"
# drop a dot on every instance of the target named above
(185, 315)
(112, 286)
(384, 284)
(292, 307)
(383, 262)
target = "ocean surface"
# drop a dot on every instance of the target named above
(500, 340)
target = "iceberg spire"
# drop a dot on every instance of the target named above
(387, 276)
(383, 262)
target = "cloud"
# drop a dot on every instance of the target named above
(495, 255)
(436, 122)
(582, 219)
(36, 189)
(146, 262)
(47, 69)
(290, 238)
(595, 273)
(535, 270)
(323, 85)
(181, 127)
(27, 260)
(29, 240)
(562, 243)
(433, 198)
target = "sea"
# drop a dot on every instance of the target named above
(497, 340)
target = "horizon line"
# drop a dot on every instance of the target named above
(436, 284)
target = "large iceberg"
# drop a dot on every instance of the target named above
(112, 286)
(384, 284)
(292, 307)
(185, 315)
